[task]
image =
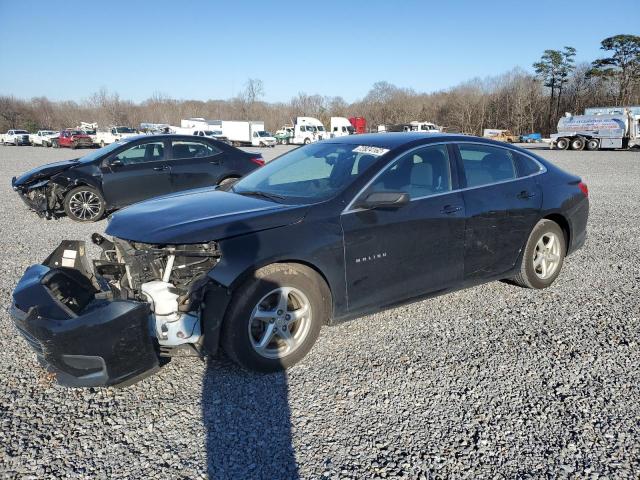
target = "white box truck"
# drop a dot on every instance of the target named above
(247, 133)
(599, 128)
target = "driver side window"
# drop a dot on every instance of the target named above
(421, 173)
(145, 152)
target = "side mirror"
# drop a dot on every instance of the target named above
(388, 200)
(116, 162)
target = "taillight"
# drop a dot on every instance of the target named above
(257, 160)
(583, 188)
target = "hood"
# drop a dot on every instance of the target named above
(43, 172)
(199, 216)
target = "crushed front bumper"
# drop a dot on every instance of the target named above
(78, 330)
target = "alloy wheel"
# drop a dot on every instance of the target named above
(280, 322)
(85, 205)
(546, 256)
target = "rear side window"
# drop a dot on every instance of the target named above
(484, 164)
(183, 150)
(525, 165)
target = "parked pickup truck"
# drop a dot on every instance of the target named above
(114, 134)
(72, 139)
(16, 137)
(43, 138)
(215, 134)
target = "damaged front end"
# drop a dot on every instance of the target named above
(110, 322)
(43, 197)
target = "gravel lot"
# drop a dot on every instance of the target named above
(495, 381)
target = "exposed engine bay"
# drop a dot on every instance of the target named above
(170, 278)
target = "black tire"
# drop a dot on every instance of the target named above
(96, 213)
(562, 143)
(577, 143)
(236, 338)
(227, 181)
(284, 141)
(55, 144)
(593, 144)
(527, 276)
(307, 141)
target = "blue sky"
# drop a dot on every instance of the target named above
(202, 50)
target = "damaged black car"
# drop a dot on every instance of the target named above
(128, 171)
(326, 232)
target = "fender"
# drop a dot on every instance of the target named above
(323, 251)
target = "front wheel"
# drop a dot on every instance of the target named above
(84, 204)
(275, 317)
(307, 141)
(543, 256)
(284, 141)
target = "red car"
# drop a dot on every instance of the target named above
(73, 139)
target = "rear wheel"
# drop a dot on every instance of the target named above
(593, 144)
(307, 141)
(101, 143)
(55, 144)
(577, 143)
(284, 141)
(543, 256)
(562, 143)
(84, 204)
(275, 317)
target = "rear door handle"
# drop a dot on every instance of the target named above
(526, 194)
(450, 209)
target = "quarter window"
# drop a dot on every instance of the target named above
(525, 165)
(183, 150)
(484, 164)
(421, 173)
(145, 152)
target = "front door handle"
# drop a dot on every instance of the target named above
(450, 209)
(159, 169)
(524, 195)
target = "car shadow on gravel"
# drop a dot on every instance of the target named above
(248, 423)
(246, 415)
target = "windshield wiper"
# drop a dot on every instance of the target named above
(258, 193)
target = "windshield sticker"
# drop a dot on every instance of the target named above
(377, 151)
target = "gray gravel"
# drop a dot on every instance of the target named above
(495, 381)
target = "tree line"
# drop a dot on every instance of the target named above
(519, 100)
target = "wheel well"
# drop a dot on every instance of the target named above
(322, 275)
(564, 225)
(241, 278)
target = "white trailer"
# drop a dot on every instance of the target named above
(341, 127)
(615, 127)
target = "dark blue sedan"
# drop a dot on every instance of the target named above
(326, 232)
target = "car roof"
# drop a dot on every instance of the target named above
(392, 140)
(161, 136)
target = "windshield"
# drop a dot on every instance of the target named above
(21, 131)
(101, 152)
(125, 130)
(312, 173)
